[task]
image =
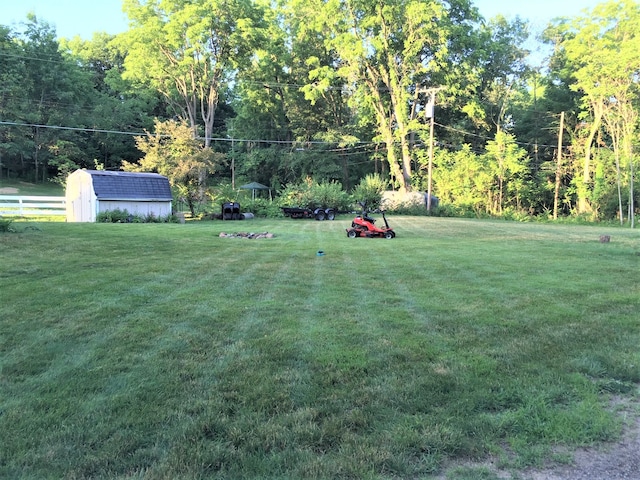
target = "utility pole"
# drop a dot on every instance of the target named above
(233, 167)
(558, 168)
(430, 113)
(233, 160)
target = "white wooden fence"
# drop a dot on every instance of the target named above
(22, 205)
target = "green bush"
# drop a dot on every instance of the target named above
(331, 195)
(261, 207)
(114, 216)
(310, 194)
(450, 210)
(369, 191)
(295, 195)
(123, 216)
(222, 193)
(417, 210)
(5, 225)
(510, 213)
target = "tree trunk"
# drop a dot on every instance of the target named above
(558, 168)
(385, 128)
(583, 191)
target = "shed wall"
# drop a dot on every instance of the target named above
(158, 209)
(81, 199)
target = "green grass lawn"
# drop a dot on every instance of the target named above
(17, 187)
(162, 351)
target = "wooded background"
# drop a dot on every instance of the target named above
(427, 94)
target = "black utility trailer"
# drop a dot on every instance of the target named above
(318, 213)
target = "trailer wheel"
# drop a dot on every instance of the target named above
(331, 214)
(352, 234)
(320, 215)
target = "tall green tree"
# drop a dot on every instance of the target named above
(506, 164)
(50, 95)
(462, 180)
(189, 50)
(13, 102)
(497, 71)
(120, 108)
(306, 130)
(603, 49)
(388, 52)
(172, 151)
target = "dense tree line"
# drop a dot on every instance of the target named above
(426, 93)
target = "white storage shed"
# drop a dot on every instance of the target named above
(90, 192)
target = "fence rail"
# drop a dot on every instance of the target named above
(22, 205)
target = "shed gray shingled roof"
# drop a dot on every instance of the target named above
(130, 186)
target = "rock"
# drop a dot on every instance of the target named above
(248, 235)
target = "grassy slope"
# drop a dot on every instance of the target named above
(17, 187)
(167, 352)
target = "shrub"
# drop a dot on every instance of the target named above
(330, 194)
(450, 210)
(369, 191)
(261, 207)
(5, 225)
(310, 194)
(123, 216)
(404, 209)
(222, 193)
(295, 194)
(510, 213)
(114, 216)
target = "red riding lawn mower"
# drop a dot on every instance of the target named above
(364, 226)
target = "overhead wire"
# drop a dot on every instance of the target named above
(358, 144)
(484, 137)
(338, 150)
(341, 151)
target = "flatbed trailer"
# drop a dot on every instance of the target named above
(317, 213)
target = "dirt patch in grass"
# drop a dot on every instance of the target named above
(611, 461)
(618, 461)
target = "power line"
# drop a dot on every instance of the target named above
(359, 144)
(484, 137)
(76, 129)
(338, 150)
(59, 60)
